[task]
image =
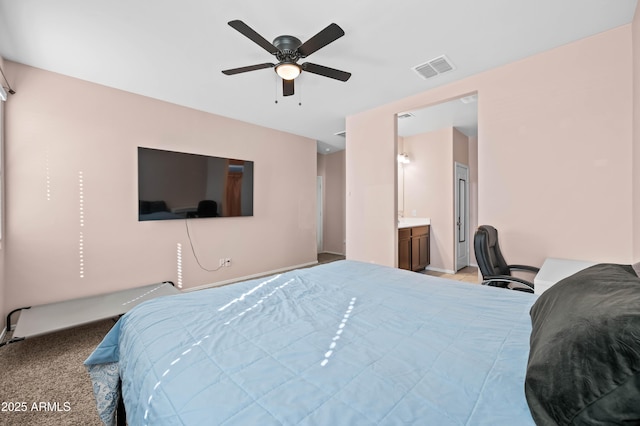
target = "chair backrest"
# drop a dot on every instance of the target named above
(488, 254)
(207, 208)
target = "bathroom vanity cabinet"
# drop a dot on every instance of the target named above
(413, 247)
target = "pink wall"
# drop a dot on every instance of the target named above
(473, 195)
(554, 156)
(401, 184)
(59, 127)
(428, 183)
(2, 219)
(636, 133)
(429, 187)
(460, 146)
(334, 201)
(371, 183)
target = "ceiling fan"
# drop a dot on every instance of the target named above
(288, 50)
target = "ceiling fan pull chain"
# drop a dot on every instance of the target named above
(276, 90)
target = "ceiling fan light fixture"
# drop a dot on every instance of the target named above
(288, 70)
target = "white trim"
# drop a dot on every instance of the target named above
(466, 219)
(248, 277)
(3, 94)
(319, 213)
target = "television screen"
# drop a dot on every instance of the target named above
(177, 185)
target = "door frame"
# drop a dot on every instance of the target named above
(319, 214)
(461, 261)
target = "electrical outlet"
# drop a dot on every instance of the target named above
(227, 262)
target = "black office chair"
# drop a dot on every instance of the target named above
(495, 270)
(207, 208)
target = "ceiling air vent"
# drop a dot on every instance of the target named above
(469, 99)
(342, 134)
(434, 67)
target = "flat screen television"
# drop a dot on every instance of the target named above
(178, 185)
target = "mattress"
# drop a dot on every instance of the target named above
(346, 343)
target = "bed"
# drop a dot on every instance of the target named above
(345, 343)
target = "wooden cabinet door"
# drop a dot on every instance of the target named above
(423, 252)
(427, 251)
(419, 248)
(415, 253)
(404, 249)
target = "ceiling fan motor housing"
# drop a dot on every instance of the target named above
(288, 48)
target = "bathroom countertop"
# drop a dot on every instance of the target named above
(409, 222)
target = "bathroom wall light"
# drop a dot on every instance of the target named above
(403, 158)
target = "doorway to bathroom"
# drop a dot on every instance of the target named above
(438, 179)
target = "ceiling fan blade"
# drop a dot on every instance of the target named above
(287, 87)
(249, 68)
(331, 33)
(326, 71)
(253, 36)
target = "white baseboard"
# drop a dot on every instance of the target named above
(248, 277)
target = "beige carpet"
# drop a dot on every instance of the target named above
(44, 378)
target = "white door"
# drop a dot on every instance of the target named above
(319, 214)
(462, 215)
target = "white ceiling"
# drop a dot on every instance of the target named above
(175, 51)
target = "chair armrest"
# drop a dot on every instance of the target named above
(524, 268)
(507, 278)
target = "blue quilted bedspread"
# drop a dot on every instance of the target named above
(346, 343)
